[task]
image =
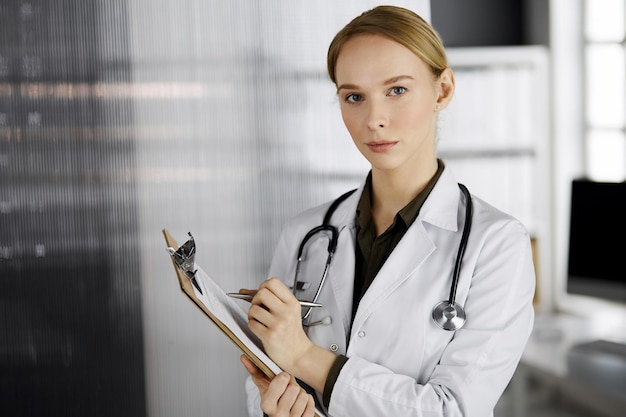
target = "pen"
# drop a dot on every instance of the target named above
(247, 297)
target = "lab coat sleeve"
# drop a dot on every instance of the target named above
(253, 399)
(475, 366)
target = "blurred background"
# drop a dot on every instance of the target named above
(121, 118)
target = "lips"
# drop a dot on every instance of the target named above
(380, 146)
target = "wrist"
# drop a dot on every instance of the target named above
(313, 366)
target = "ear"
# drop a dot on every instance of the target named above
(445, 87)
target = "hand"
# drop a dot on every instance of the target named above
(275, 318)
(247, 292)
(282, 396)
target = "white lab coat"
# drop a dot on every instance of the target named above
(400, 362)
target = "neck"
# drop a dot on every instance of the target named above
(392, 190)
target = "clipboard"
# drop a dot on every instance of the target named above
(223, 311)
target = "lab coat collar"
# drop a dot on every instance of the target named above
(344, 214)
(439, 209)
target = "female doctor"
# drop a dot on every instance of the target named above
(379, 346)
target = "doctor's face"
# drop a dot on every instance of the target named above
(389, 102)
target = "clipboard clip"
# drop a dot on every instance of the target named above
(185, 259)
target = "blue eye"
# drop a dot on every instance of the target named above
(396, 91)
(353, 98)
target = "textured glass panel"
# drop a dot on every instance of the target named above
(606, 85)
(71, 339)
(120, 118)
(253, 136)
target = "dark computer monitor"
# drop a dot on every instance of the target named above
(597, 240)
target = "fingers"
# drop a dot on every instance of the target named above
(285, 397)
(304, 405)
(274, 289)
(272, 301)
(258, 377)
(282, 396)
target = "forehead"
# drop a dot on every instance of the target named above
(375, 58)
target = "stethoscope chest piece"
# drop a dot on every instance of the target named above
(449, 316)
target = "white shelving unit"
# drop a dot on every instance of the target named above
(495, 136)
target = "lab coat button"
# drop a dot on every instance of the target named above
(361, 334)
(334, 347)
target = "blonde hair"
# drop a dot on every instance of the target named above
(398, 24)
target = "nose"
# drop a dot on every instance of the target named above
(378, 117)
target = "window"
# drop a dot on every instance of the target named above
(605, 106)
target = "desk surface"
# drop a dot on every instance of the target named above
(555, 335)
(596, 378)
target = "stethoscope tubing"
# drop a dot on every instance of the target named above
(446, 314)
(332, 247)
(463, 245)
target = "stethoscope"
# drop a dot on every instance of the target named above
(447, 314)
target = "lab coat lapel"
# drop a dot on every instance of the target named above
(411, 251)
(342, 267)
(440, 210)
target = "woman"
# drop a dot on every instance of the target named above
(374, 349)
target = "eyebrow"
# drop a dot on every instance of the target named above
(391, 80)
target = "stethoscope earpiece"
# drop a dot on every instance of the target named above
(449, 316)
